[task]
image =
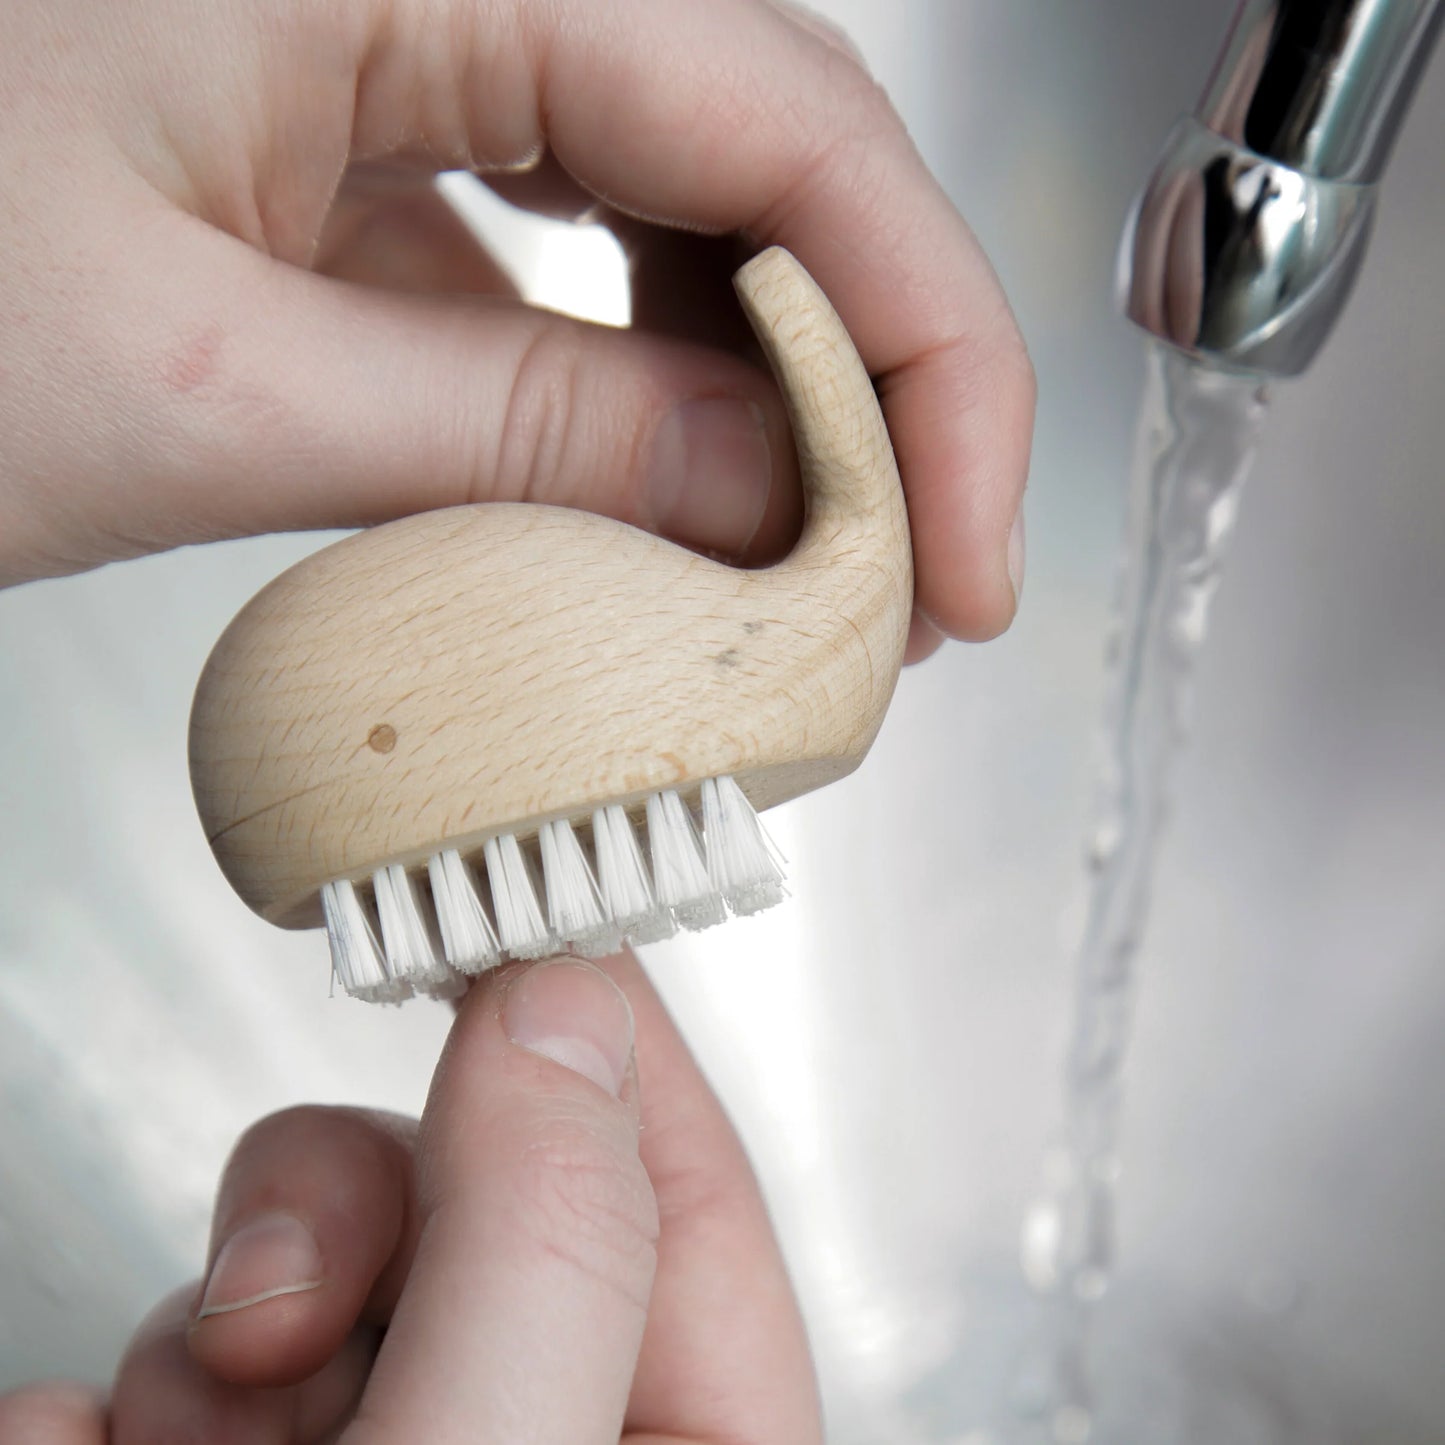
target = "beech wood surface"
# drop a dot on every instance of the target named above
(481, 669)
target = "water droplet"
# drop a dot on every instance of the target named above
(1103, 844)
(1039, 1240)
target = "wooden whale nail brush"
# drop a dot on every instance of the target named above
(505, 730)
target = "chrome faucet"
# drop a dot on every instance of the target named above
(1244, 245)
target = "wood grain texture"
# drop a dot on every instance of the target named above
(481, 669)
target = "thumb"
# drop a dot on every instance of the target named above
(273, 399)
(524, 1310)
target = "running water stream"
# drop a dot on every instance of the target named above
(1197, 434)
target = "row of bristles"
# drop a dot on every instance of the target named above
(426, 935)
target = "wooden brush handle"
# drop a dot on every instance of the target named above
(441, 679)
(850, 479)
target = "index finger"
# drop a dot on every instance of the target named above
(731, 116)
(725, 1355)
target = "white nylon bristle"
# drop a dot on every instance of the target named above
(468, 938)
(626, 889)
(693, 882)
(406, 933)
(521, 925)
(449, 985)
(678, 871)
(574, 905)
(356, 956)
(740, 861)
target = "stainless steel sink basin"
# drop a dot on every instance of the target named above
(890, 1041)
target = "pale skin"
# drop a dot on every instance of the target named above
(232, 304)
(569, 1248)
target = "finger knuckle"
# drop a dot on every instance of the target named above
(205, 405)
(300, 1125)
(823, 28)
(211, 428)
(988, 368)
(309, 1154)
(861, 106)
(1019, 392)
(700, 1171)
(542, 409)
(1024, 380)
(853, 148)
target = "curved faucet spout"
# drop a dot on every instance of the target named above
(1244, 245)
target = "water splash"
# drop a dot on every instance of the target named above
(1197, 435)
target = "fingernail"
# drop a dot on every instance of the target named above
(273, 1255)
(1016, 556)
(573, 1014)
(712, 470)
